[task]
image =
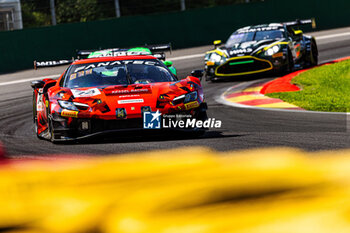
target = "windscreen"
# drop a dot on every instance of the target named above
(117, 73)
(237, 38)
(265, 35)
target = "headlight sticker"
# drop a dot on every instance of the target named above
(86, 93)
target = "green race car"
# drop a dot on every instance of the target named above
(276, 48)
(157, 51)
(153, 50)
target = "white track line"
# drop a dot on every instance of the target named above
(186, 57)
(28, 80)
(57, 75)
(222, 100)
(333, 36)
(172, 59)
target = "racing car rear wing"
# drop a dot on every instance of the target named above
(156, 50)
(117, 53)
(40, 64)
(299, 22)
(85, 53)
(159, 48)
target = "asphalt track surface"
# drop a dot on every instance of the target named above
(241, 128)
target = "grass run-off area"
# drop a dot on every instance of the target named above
(325, 88)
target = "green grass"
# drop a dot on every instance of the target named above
(325, 88)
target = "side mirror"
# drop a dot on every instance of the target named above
(217, 43)
(197, 74)
(168, 63)
(298, 32)
(37, 84)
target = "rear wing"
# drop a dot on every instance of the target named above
(118, 52)
(157, 50)
(299, 22)
(40, 64)
(82, 54)
(85, 53)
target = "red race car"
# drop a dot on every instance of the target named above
(95, 96)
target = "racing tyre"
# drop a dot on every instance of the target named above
(290, 65)
(34, 108)
(202, 115)
(36, 129)
(198, 132)
(313, 55)
(51, 129)
(210, 79)
(52, 135)
(35, 119)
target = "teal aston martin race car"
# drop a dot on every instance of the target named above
(276, 47)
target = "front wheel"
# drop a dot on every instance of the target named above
(212, 79)
(36, 128)
(50, 128)
(208, 78)
(35, 118)
(313, 55)
(51, 131)
(202, 116)
(290, 65)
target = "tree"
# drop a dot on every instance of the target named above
(33, 15)
(37, 12)
(68, 11)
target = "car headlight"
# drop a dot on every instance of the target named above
(191, 97)
(271, 51)
(215, 57)
(223, 59)
(67, 105)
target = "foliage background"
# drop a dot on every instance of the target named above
(36, 13)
